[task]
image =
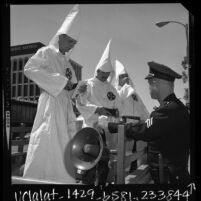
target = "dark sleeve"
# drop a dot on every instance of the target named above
(113, 127)
(152, 128)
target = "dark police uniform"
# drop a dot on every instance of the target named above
(166, 131)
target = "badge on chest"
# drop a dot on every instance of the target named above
(110, 96)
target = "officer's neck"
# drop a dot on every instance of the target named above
(163, 95)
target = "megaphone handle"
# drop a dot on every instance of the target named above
(102, 133)
(79, 176)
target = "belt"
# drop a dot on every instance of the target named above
(113, 112)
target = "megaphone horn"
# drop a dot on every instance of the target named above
(92, 150)
(86, 148)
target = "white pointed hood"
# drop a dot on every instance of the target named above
(128, 89)
(70, 27)
(119, 70)
(105, 64)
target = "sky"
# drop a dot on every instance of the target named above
(136, 39)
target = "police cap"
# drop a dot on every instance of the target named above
(161, 71)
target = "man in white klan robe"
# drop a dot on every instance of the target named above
(100, 101)
(132, 104)
(54, 125)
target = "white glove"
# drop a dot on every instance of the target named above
(103, 122)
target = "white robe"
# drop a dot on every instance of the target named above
(132, 108)
(54, 125)
(96, 96)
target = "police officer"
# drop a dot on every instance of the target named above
(167, 130)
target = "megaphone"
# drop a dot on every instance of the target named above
(86, 149)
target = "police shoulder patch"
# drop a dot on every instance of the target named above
(166, 103)
(149, 122)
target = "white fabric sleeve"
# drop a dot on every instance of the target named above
(38, 69)
(118, 103)
(86, 108)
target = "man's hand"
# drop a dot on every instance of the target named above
(102, 122)
(68, 86)
(102, 111)
(82, 88)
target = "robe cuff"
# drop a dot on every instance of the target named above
(56, 93)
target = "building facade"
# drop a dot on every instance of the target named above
(23, 88)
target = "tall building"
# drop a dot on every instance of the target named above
(21, 87)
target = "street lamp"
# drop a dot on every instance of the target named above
(185, 62)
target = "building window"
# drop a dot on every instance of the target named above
(19, 93)
(14, 78)
(25, 79)
(20, 67)
(20, 78)
(37, 91)
(15, 65)
(13, 91)
(31, 90)
(25, 90)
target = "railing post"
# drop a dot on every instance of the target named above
(120, 179)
